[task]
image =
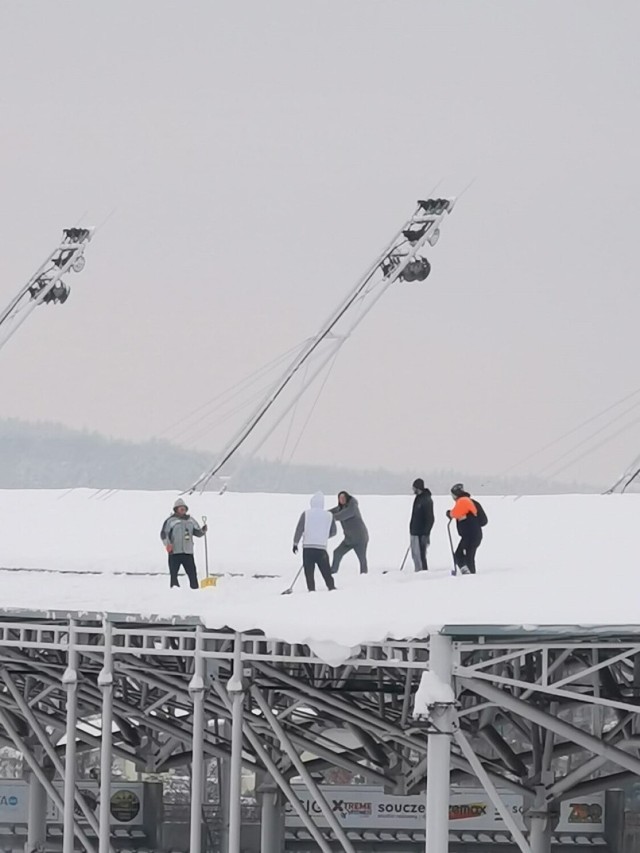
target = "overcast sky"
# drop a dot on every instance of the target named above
(259, 155)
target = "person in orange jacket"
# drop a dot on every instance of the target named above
(465, 513)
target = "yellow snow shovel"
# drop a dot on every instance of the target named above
(206, 581)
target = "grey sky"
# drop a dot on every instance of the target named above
(260, 154)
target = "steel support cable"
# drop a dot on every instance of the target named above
(281, 417)
(202, 482)
(589, 437)
(285, 443)
(429, 224)
(600, 444)
(233, 390)
(190, 436)
(302, 431)
(292, 419)
(313, 407)
(566, 434)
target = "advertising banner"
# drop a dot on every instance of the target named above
(125, 806)
(360, 807)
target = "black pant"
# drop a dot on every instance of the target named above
(312, 557)
(465, 554)
(343, 548)
(189, 564)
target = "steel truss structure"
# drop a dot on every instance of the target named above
(550, 714)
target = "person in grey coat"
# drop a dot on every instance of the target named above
(356, 535)
(177, 537)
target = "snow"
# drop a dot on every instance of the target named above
(558, 560)
(431, 691)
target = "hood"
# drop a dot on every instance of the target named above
(179, 502)
(347, 496)
(317, 501)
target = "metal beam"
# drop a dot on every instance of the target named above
(35, 768)
(554, 724)
(48, 748)
(314, 790)
(277, 776)
(494, 796)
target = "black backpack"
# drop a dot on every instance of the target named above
(482, 515)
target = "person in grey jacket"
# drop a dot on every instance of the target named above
(177, 537)
(356, 535)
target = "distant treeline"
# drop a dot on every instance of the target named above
(51, 456)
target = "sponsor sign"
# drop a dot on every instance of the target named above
(582, 815)
(125, 805)
(360, 807)
(14, 802)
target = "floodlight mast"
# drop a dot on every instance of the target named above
(400, 260)
(46, 285)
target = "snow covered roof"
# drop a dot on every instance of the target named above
(564, 562)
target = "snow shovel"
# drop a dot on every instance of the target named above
(405, 558)
(386, 571)
(454, 570)
(206, 580)
(289, 589)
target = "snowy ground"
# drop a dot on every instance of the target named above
(545, 560)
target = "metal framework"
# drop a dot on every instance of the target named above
(399, 261)
(551, 714)
(46, 285)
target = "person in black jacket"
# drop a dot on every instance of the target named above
(422, 519)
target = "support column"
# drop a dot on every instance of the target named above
(70, 682)
(540, 832)
(223, 787)
(539, 818)
(297, 762)
(236, 691)
(438, 750)
(271, 817)
(37, 819)
(281, 781)
(105, 683)
(196, 691)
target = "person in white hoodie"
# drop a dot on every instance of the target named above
(315, 527)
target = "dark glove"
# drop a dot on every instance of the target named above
(205, 528)
(448, 513)
(295, 549)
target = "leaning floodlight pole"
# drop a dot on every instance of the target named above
(46, 285)
(623, 482)
(400, 260)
